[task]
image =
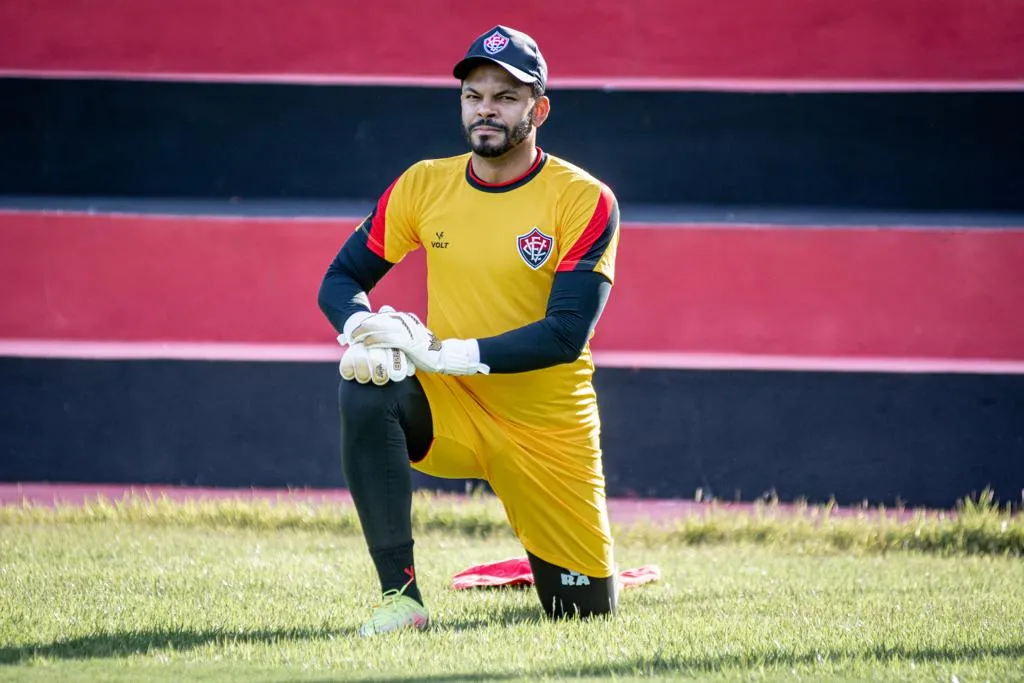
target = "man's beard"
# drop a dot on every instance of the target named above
(490, 148)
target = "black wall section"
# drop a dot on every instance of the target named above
(924, 439)
(195, 423)
(930, 151)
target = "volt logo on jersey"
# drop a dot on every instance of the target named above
(535, 247)
(495, 43)
(440, 242)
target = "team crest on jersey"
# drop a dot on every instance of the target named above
(535, 247)
(495, 43)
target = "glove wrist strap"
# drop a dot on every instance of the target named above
(462, 357)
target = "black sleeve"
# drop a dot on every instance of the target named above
(574, 307)
(351, 275)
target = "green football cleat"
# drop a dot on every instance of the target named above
(396, 611)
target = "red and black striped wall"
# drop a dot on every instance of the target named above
(821, 271)
(679, 45)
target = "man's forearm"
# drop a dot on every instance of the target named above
(340, 296)
(352, 273)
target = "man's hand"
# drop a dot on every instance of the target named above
(379, 365)
(404, 331)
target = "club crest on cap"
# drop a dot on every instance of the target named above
(495, 43)
(534, 247)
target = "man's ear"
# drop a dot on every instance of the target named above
(541, 110)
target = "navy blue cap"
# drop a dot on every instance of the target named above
(510, 49)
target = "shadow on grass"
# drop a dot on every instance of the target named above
(125, 644)
(689, 666)
(115, 645)
(112, 645)
(506, 616)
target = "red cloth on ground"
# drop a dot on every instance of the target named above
(516, 571)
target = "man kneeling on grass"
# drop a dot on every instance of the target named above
(521, 256)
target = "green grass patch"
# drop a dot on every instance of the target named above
(256, 590)
(133, 596)
(977, 526)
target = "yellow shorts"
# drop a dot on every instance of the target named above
(554, 500)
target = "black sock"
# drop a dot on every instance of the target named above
(396, 568)
(565, 593)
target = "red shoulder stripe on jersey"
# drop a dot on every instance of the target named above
(596, 237)
(378, 226)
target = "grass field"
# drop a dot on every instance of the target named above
(249, 591)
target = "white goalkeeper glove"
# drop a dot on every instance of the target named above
(404, 331)
(378, 365)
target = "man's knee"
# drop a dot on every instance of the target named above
(360, 402)
(565, 593)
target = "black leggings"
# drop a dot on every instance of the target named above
(382, 430)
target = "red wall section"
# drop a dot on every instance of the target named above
(790, 291)
(173, 279)
(828, 291)
(796, 39)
